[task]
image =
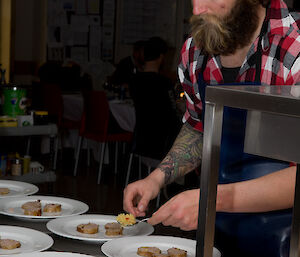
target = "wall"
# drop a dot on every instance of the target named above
(29, 39)
(5, 35)
(29, 35)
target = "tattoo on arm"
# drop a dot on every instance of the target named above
(185, 154)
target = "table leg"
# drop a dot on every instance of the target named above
(209, 179)
(53, 151)
(28, 145)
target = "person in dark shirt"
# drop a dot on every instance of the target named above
(129, 65)
(153, 95)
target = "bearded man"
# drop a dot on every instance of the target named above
(253, 42)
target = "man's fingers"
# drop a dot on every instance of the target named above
(135, 203)
(128, 201)
(160, 215)
(143, 204)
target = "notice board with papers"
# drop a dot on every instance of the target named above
(80, 30)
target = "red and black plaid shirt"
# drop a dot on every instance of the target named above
(280, 63)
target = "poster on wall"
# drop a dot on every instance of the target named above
(84, 28)
(108, 29)
(68, 5)
(95, 44)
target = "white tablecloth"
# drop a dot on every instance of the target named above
(123, 111)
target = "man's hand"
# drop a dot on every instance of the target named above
(138, 194)
(181, 211)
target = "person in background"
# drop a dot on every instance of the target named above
(129, 66)
(233, 41)
(154, 100)
(50, 72)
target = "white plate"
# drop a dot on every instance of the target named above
(66, 227)
(31, 240)
(128, 246)
(54, 254)
(17, 188)
(69, 207)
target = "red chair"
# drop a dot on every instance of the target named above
(95, 126)
(53, 103)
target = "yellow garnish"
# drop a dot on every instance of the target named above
(126, 219)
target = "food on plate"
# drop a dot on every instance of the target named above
(4, 191)
(89, 228)
(113, 229)
(9, 244)
(148, 251)
(32, 208)
(176, 252)
(126, 219)
(160, 255)
(52, 207)
(33, 212)
(35, 208)
(34, 204)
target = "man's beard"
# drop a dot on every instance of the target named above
(223, 36)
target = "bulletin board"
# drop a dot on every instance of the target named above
(142, 19)
(80, 30)
(147, 18)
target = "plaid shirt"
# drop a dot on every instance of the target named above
(280, 63)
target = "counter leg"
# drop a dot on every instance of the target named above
(55, 152)
(209, 179)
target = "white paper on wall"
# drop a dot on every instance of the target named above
(79, 28)
(108, 29)
(94, 53)
(80, 38)
(67, 35)
(56, 52)
(79, 54)
(80, 23)
(81, 7)
(95, 35)
(94, 20)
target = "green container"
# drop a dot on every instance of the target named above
(14, 101)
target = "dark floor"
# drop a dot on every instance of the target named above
(107, 197)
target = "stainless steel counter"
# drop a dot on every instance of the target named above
(276, 106)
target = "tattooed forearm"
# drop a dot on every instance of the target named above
(185, 154)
